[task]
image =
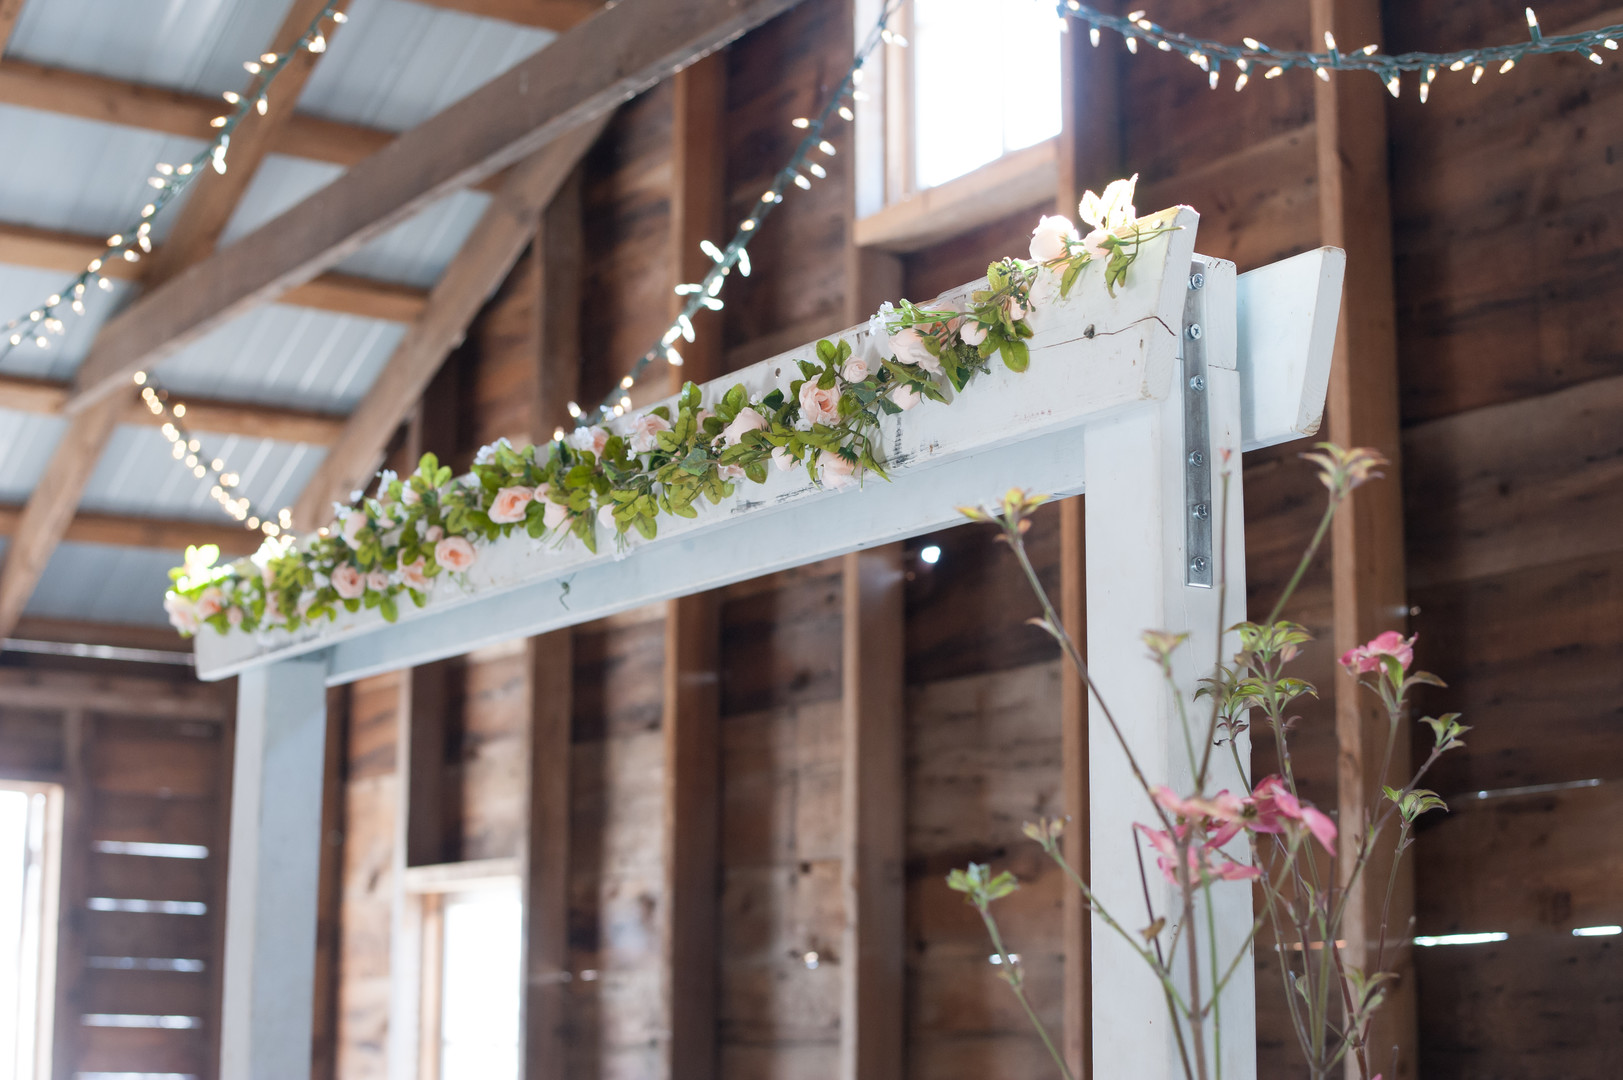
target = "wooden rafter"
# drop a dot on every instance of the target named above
(248, 419)
(541, 14)
(162, 534)
(344, 294)
(214, 196)
(496, 242)
(509, 118)
(10, 11)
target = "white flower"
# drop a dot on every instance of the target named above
(644, 431)
(409, 496)
(783, 459)
(834, 471)
(904, 397)
(908, 347)
(487, 454)
(972, 333)
(588, 439)
(182, 613)
(1112, 210)
(746, 421)
(855, 370)
(1096, 245)
(730, 472)
(879, 321)
(554, 515)
(1049, 237)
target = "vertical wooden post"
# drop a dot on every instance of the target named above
(1090, 155)
(70, 952)
(1367, 541)
(270, 935)
(693, 626)
(549, 670)
(873, 1030)
(324, 1021)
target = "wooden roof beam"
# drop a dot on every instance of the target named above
(541, 14)
(161, 534)
(250, 420)
(591, 69)
(343, 294)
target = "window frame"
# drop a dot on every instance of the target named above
(49, 913)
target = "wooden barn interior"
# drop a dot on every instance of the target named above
(709, 837)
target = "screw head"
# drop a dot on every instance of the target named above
(1195, 332)
(1201, 512)
(1197, 383)
(1197, 458)
(1198, 564)
(1197, 281)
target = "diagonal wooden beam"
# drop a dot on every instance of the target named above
(214, 195)
(162, 534)
(343, 294)
(129, 104)
(10, 10)
(588, 71)
(541, 14)
(249, 419)
(495, 244)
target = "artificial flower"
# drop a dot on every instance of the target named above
(746, 421)
(645, 431)
(908, 346)
(377, 580)
(817, 404)
(510, 505)
(182, 613)
(1016, 309)
(783, 459)
(588, 439)
(347, 582)
(433, 534)
(972, 333)
(834, 471)
(454, 553)
(414, 575)
(855, 370)
(210, 603)
(353, 525)
(1049, 239)
(1114, 209)
(905, 396)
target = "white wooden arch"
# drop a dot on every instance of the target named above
(1138, 399)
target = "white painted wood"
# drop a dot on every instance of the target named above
(270, 932)
(1135, 573)
(1093, 354)
(1288, 313)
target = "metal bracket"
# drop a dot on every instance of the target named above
(1197, 437)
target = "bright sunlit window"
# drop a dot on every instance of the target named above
(986, 81)
(479, 988)
(30, 819)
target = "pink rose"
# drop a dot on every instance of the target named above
(234, 616)
(354, 522)
(433, 533)
(972, 333)
(644, 432)
(1016, 309)
(209, 603)
(730, 472)
(414, 575)
(834, 471)
(510, 505)
(347, 581)
(855, 370)
(909, 348)
(904, 397)
(1094, 244)
(454, 553)
(377, 581)
(182, 613)
(588, 438)
(1048, 239)
(746, 421)
(555, 515)
(783, 459)
(817, 405)
(1367, 657)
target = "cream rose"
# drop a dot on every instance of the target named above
(182, 613)
(433, 534)
(855, 370)
(904, 397)
(1048, 239)
(972, 333)
(783, 459)
(346, 580)
(454, 553)
(746, 421)
(817, 405)
(377, 580)
(1095, 245)
(510, 505)
(1016, 309)
(210, 603)
(354, 522)
(555, 515)
(645, 430)
(414, 575)
(909, 348)
(234, 616)
(835, 471)
(730, 472)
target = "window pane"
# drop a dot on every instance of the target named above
(23, 940)
(986, 81)
(479, 1009)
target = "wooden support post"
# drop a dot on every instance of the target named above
(1367, 539)
(329, 903)
(68, 1027)
(692, 702)
(270, 936)
(1090, 155)
(549, 668)
(873, 838)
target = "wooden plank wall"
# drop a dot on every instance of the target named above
(1506, 235)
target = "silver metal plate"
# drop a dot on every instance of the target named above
(1199, 512)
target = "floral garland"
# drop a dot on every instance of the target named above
(417, 529)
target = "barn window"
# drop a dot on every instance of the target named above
(30, 832)
(472, 945)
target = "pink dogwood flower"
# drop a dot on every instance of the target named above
(1275, 805)
(1366, 658)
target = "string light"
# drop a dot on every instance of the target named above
(170, 180)
(705, 294)
(1211, 55)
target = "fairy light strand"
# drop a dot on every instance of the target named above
(1253, 57)
(800, 170)
(167, 182)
